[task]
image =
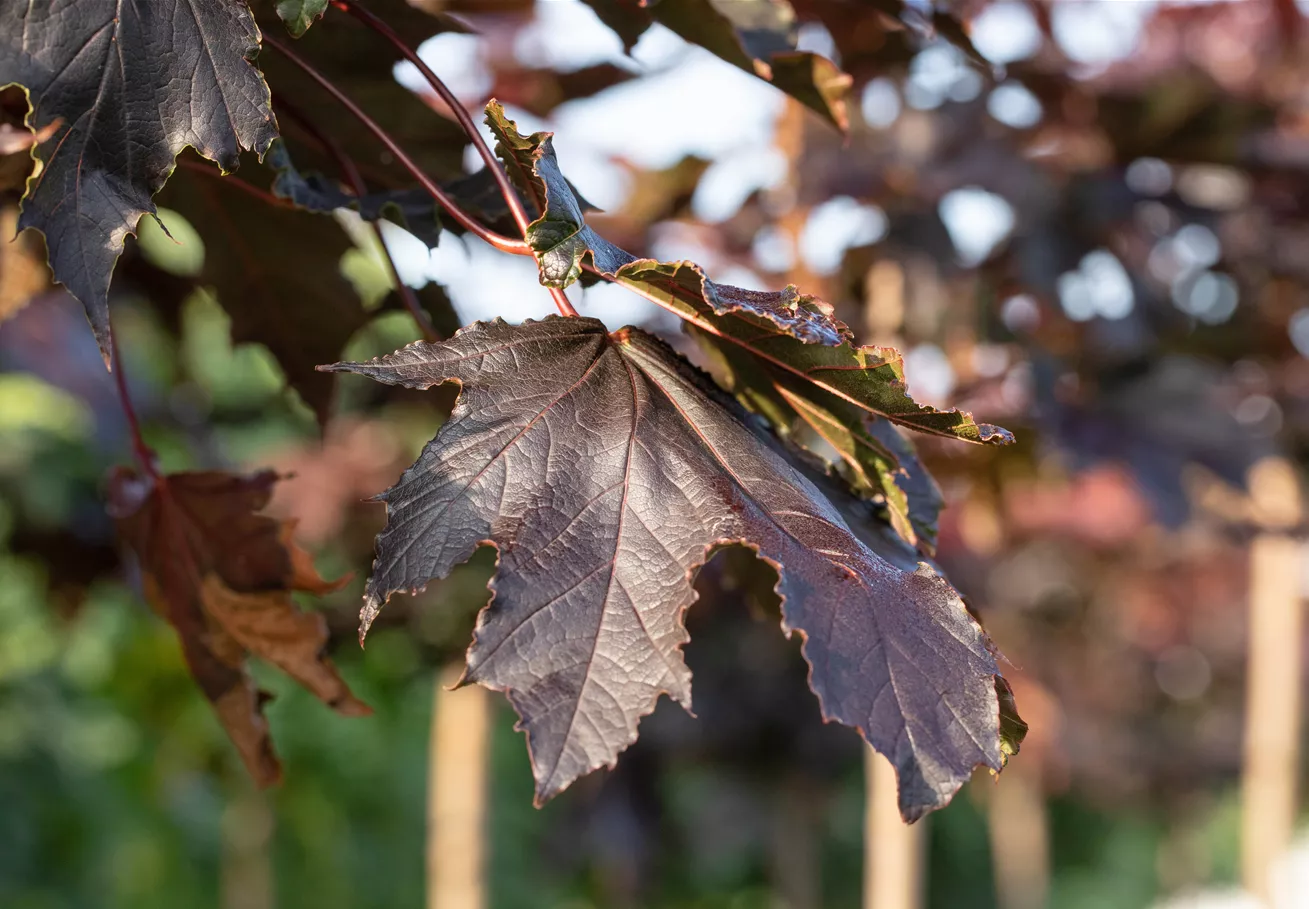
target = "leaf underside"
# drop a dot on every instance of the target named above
(874, 458)
(605, 469)
(130, 85)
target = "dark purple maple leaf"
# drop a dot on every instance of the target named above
(606, 469)
(122, 88)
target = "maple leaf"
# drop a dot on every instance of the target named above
(759, 36)
(223, 576)
(130, 85)
(787, 331)
(606, 469)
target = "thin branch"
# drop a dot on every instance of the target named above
(465, 120)
(249, 188)
(407, 294)
(352, 176)
(502, 243)
(144, 455)
(562, 303)
(461, 114)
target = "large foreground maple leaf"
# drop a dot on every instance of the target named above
(606, 469)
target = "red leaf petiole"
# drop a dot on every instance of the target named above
(145, 456)
(517, 247)
(352, 176)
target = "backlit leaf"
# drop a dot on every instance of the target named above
(300, 14)
(759, 36)
(789, 332)
(605, 469)
(873, 457)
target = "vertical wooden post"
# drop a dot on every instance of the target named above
(246, 831)
(893, 850)
(456, 795)
(1269, 783)
(794, 861)
(1020, 837)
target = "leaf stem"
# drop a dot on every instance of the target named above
(250, 188)
(562, 303)
(143, 453)
(502, 243)
(350, 172)
(460, 112)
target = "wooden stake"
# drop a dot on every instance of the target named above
(1020, 837)
(893, 850)
(456, 795)
(246, 826)
(1273, 673)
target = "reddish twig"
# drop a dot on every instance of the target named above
(561, 302)
(144, 455)
(461, 113)
(502, 243)
(465, 120)
(352, 176)
(249, 188)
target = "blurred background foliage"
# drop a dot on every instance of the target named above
(1085, 221)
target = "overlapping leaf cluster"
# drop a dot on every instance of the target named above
(601, 530)
(782, 353)
(603, 467)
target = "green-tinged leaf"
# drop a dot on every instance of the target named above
(300, 14)
(277, 273)
(1013, 729)
(606, 469)
(922, 497)
(789, 332)
(868, 452)
(759, 36)
(128, 85)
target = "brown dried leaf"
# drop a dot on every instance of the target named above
(223, 576)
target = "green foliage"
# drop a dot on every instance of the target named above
(300, 14)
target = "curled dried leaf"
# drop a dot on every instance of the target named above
(222, 574)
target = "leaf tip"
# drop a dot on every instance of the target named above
(349, 705)
(994, 435)
(366, 617)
